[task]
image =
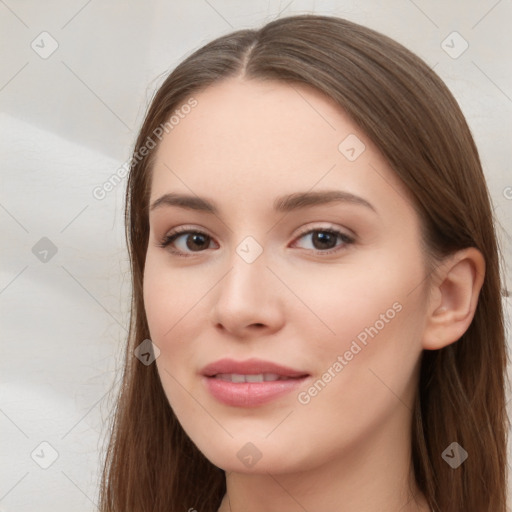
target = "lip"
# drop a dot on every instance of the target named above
(249, 367)
(250, 394)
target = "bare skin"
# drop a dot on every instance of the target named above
(345, 447)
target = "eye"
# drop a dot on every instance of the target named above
(193, 241)
(324, 240)
(184, 241)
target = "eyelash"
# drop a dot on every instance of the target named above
(171, 237)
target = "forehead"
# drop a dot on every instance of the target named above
(237, 117)
(248, 140)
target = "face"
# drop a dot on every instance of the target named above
(328, 287)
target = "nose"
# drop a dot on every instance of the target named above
(248, 300)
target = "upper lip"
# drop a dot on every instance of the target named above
(249, 367)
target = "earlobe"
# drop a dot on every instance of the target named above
(458, 280)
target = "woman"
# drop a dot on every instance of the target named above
(314, 261)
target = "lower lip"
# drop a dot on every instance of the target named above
(250, 394)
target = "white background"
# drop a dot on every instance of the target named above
(69, 121)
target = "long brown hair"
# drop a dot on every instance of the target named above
(411, 116)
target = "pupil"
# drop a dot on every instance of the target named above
(194, 237)
(324, 237)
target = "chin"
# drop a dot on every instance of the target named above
(251, 457)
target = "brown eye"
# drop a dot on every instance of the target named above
(186, 241)
(326, 240)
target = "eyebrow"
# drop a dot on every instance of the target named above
(286, 203)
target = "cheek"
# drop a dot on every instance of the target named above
(369, 338)
(171, 303)
(177, 303)
(349, 300)
(171, 297)
(377, 314)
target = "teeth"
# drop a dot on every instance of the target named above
(260, 377)
(254, 378)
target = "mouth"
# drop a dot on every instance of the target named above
(250, 383)
(258, 369)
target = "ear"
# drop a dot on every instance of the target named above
(454, 297)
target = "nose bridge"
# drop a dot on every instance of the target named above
(244, 284)
(246, 295)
